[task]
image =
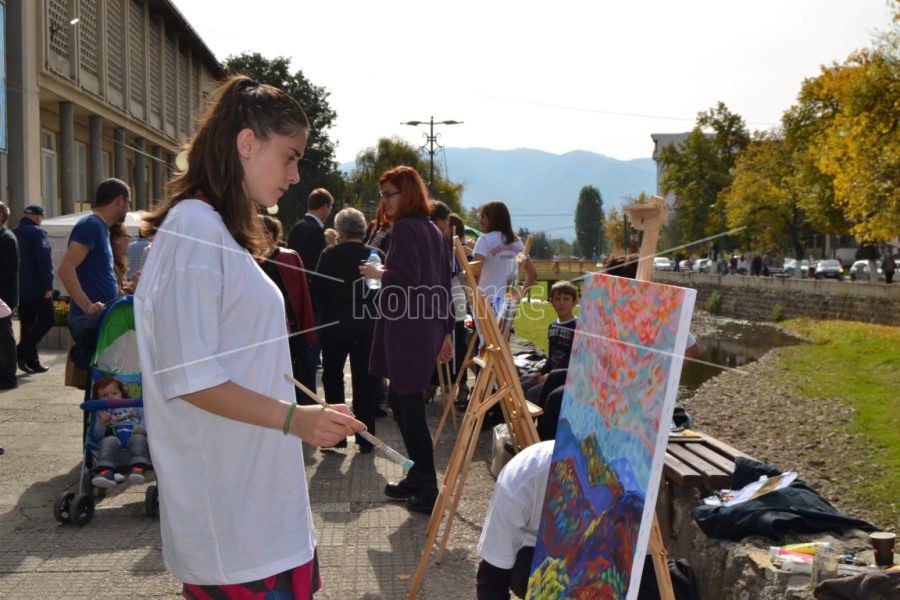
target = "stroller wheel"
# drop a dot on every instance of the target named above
(61, 507)
(82, 510)
(151, 501)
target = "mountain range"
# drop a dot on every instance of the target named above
(540, 188)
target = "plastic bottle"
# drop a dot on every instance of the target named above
(824, 565)
(374, 259)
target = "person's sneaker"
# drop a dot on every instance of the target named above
(136, 475)
(105, 478)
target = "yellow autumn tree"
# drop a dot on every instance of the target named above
(860, 149)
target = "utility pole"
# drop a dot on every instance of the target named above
(430, 143)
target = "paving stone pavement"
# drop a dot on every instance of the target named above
(369, 546)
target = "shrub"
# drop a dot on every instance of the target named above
(777, 313)
(714, 302)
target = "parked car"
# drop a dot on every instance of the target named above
(829, 269)
(685, 265)
(790, 266)
(661, 263)
(860, 270)
(702, 265)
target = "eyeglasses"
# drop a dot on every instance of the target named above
(383, 194)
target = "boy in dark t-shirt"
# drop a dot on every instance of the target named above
(560, 334)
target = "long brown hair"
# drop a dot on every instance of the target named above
(413, 193)
(498, 220)
(214, 165)
(120, 261)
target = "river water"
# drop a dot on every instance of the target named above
(728, 343)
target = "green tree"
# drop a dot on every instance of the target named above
(362, 185)
(765, 197)
(540, 246)
(615, 230)
(318, 167)
(699, 169)
(589, 221)
(560, 247)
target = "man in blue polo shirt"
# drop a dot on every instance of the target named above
(87, 267)
(35, 288)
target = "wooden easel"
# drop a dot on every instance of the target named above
(498, 372)
(650, 218)
(450, 392)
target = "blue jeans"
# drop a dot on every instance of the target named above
(84, 333)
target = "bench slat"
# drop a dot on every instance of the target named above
(711, 474)
(680, 473)
(724, 463)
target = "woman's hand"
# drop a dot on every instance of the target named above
(371, 271)
(324, 426)
(446, 353)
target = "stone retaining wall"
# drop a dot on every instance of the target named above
(774, 298)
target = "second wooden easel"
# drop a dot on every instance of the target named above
(649, 218)
(498, 382)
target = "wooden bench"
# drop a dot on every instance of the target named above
(694, 460)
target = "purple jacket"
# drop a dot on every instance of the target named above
(414, 306)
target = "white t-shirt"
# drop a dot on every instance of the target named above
(233, 496)
(515, 512)
(499, 258)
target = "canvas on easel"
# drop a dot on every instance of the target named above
(610, 442)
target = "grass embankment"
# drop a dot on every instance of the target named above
(858, 363)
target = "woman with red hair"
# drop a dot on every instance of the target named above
(414, 324)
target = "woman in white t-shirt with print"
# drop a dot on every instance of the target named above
(497, 249)
(223, 424)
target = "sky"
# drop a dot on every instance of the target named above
(556, 76)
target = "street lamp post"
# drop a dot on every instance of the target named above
(431, 142)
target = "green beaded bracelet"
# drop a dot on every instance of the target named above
(287, 419)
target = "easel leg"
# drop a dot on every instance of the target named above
(468, 436)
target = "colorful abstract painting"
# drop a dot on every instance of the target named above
(610, 443)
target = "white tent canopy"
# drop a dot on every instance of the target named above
(59, 228)
(62, 226)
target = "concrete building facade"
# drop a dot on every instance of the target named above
(97, 89)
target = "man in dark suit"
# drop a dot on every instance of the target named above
(35, 288)
(9, 293)
(308, 240)
(308, 236)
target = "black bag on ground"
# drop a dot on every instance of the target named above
(796, 508)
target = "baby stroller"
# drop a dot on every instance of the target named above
(116, 355)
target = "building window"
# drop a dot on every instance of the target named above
(136, 50)
(81, 172)
(48, 172)
(115, 55)
(58, 27)
(155, 67)
(89, 11)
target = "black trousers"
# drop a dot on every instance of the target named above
(494, 583)
(334, 356)
(35, 320)
(409, 413)
(302, 366)
(551, 401)
(7, 354)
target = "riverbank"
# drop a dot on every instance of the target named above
(786, 410)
